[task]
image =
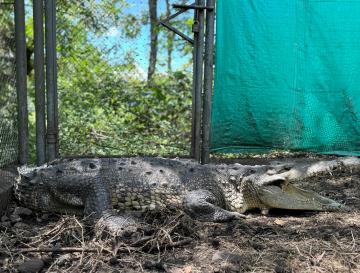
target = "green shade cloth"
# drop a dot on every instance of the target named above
(287, 76)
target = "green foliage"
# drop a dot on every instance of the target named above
(117, 114)
(131, 26)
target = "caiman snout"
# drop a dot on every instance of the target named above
(277, 192)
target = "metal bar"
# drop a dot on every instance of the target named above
(56, 101)
(166, 23)
(21, 81)
(176, 14)
(195, 76)
(51, 79)
(176, 31)
(208, 82)
(196, 6)
(198, 81)
(38, 13)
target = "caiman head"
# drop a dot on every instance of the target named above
(266, 192)
(36, 188)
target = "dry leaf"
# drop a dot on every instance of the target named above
(280, 222)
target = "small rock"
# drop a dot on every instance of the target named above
(154, 265)
(113, 261)
(14, 218)
(280, 222)
(281, 266)
(176, 270)
(215, 243)
(21, 225)
(47, 260)
(4, 218)
(64, 260)
(256, 245)
(6, 225)
(22, 211)
(226, 256)
(14, 241)
(58, 245)
(45, 216)
(31, 266)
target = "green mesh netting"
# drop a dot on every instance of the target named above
(287, 76)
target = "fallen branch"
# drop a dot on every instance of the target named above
(180, 243)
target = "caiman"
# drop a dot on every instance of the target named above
(105, 189)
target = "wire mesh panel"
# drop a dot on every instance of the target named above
(8, 113)
(107, 104)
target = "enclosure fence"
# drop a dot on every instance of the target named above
(8, 101)
(77, 86)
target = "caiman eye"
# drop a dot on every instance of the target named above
(92, 165)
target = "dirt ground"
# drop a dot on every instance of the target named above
(281, 242)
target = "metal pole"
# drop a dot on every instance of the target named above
(38, 14)
(198, 79)
(51, 78)
(21, 74)
(195, 76)
(208, 82)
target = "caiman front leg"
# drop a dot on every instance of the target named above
(203, 205)
(117, 225)
(97, 208)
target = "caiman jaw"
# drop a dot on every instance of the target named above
(283, 195)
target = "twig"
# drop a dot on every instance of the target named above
(55, 249)
(178, 243)
(79, 249)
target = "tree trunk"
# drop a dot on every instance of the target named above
(170, 40)
(153, 38)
